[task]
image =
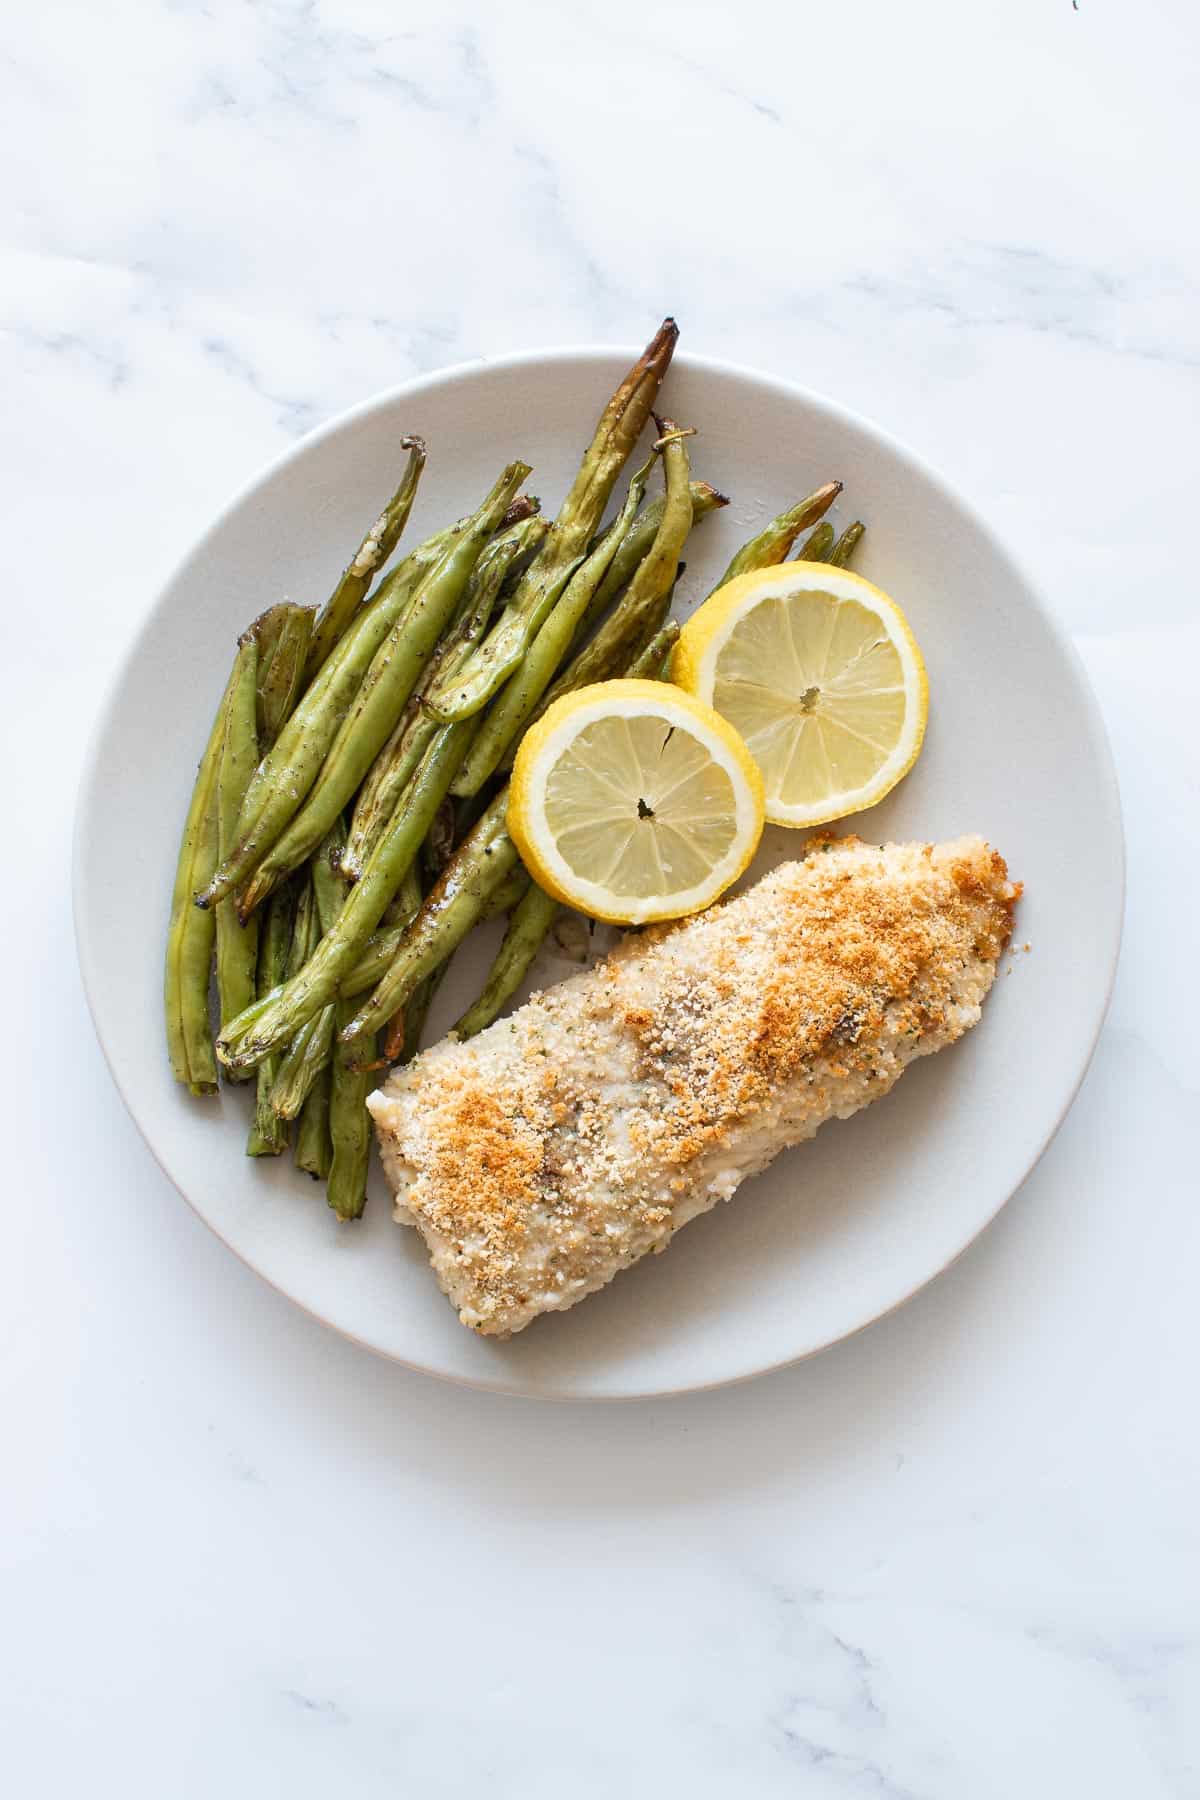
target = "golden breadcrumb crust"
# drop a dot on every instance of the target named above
(563, 1143)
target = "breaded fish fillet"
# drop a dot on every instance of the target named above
(557, 1147)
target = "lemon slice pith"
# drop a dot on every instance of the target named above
(819, 672)
(633, 801)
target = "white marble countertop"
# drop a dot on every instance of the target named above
(954, 1557)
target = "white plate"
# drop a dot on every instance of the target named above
(836, 1232)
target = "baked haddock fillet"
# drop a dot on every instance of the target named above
(540, 1158)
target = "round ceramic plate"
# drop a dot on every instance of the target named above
(836, 1232)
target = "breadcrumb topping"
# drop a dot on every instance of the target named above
(570, 1139)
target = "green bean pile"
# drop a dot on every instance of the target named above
(347, 828)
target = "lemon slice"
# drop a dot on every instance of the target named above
(633, 801)
(820, 673)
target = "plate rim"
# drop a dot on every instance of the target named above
(452, 375)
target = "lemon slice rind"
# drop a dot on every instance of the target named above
(702, 663)
(613, 710)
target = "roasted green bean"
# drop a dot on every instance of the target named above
(650, 664)
(301, 1063)
(507, 716)
(310, 1051)
(642, 609)
(379, 952)
(816, 548)
(268, 629)
(190, 934)
(405, 903)
(287, 772)
(530, 925)
(402, 1039)
(268, 1132)
(617, 431)
(847, 544)
(342, 605)
(483, 861)
(283, 635)
(348, 1120)
(386, 687)
(349, 1131)
(258, 1031)
(396, 763)
(313, 1150)
(284, 776)
(635, 545)
(237, 944)
(771, 545)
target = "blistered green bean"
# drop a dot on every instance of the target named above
(349, 1129)
(268, 1132)
(842, 552)
(397, 762)
(483, 861)
(635, 545)
(772, 544)
(514, 705)
(816, 547)
(530, 925)
(342, 605)
(651, 663)
(617, 431)
(313, 1151)
(287, 772)
(237, 944)
(259, 1031)
(393, 674)
(283, 637)
(643, 607)
(190, 934)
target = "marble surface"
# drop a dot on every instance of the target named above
(956, 1556)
